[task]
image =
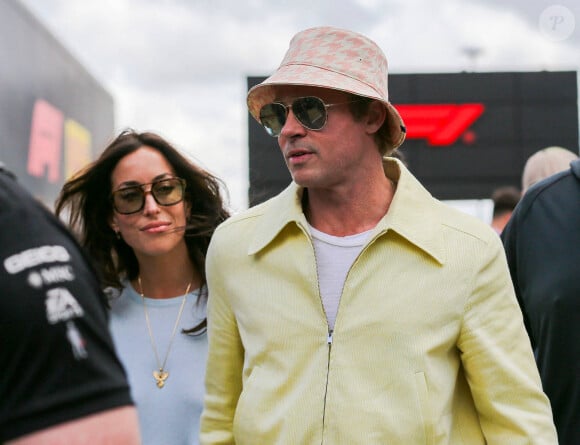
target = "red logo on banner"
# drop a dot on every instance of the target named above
(49, 130)
(45, 141)
(440, 124)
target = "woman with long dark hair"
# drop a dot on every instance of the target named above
(145, 214)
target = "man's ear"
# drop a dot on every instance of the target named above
(376, 115)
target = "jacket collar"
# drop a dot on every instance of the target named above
(413, 214)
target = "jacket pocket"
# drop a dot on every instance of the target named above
(424, 406)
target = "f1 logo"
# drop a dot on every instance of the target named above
(440, 124)
(49, 129)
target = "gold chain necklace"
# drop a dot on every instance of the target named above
(161, 374)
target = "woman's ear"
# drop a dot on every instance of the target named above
(113, 224)
(376, 115)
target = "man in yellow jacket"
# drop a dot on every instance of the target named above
(354, 308)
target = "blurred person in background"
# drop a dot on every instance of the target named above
(61, 381)
(353, 307)
(145, 214)
(544, 163)
(504, 200)
(542, 243)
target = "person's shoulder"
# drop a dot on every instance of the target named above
(433, 215)
(464, 223)
(575, 170)
(258, 225)
(252, 215)
(560, 184)
(9, 187)
(555, 196)
(18, 204)
(240, 224)
(5, 171)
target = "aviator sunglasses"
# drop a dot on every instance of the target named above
(310, 111)
(165, 191)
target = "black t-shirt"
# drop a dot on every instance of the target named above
(57, 360)
(542, 242)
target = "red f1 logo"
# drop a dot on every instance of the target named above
(440, 124)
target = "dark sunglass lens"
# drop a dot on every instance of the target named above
(168, 191)
(273, 118)
(310, 111)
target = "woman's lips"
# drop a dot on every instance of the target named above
(155, 227)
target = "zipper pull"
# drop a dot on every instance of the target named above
(329, 338)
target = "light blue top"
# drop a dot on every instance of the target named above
(168, 415)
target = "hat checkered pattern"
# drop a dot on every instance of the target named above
(336, 59)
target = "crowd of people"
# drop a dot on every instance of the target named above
(353, 307)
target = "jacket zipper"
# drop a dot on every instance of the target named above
(329, 337)
(329, 343)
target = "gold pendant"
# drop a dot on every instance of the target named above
(160, 377)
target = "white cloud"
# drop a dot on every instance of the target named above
(179, 67)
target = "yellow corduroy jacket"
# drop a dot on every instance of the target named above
(429, 345)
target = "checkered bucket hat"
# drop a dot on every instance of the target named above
(337, 59)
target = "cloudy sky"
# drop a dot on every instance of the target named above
(179, 67)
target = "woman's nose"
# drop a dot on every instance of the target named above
(150, 206)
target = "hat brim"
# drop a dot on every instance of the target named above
(315, 76)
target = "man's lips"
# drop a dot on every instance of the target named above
(296, 155)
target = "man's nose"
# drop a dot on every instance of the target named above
(292, 126)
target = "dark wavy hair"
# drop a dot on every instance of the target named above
(86, 201)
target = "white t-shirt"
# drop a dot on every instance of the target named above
(334, 257)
